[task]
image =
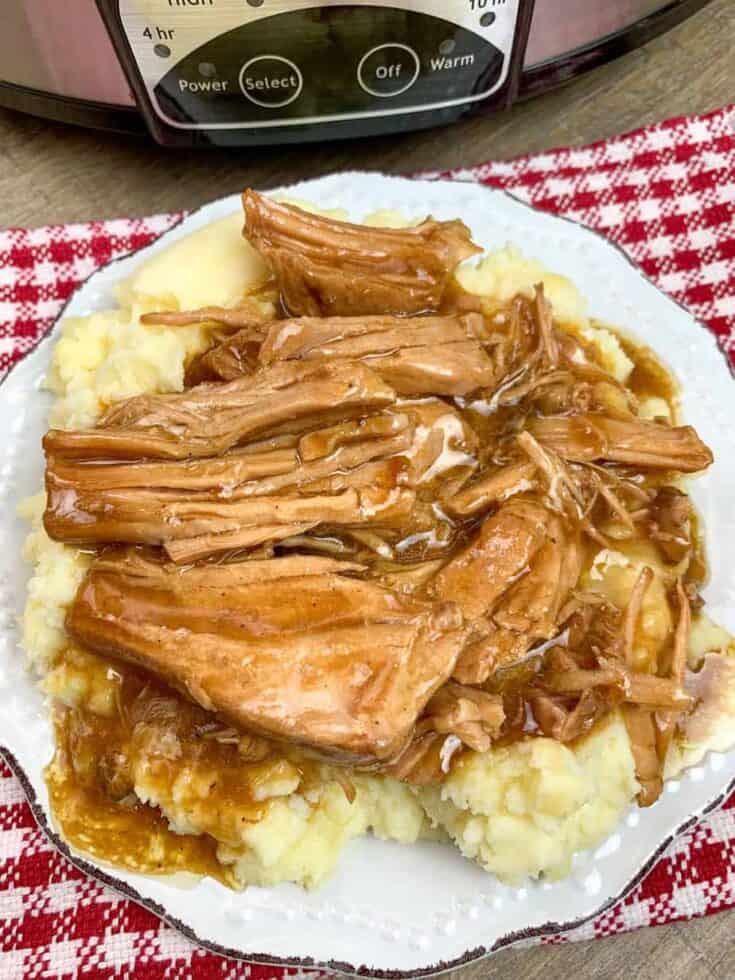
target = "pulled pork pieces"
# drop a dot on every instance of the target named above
(248, 314)
(210, 419)
(371, 475)
(292, 648)
(528, 562)
(410, 509)
(428, 355)
(635, 442)
(331, 268)
(455, 717)
(671, 524)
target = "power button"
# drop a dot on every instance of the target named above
(388, 70)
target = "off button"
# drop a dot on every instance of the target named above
(388, 70)
(271, 81)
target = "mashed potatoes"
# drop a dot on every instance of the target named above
(503, 274)
(519, 811)
(57, 574)
(105, 357)
(525, 810)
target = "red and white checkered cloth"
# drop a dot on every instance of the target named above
(667, 195)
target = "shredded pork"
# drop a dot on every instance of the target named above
(294, 650)
(331, 268)
(366, 525)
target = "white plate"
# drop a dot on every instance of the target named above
(421, 908)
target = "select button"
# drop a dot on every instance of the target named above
(388, 70)
(271, 81)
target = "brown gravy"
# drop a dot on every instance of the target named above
(649, 378)
(130, 834)
(90, 781)
(91, 777)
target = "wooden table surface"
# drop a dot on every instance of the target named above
(50, 173)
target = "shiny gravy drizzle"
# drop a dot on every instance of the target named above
(89, 779)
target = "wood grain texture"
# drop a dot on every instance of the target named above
(49, 173)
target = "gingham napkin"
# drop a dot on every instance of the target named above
(666, 194)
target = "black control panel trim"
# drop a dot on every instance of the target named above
(380, 122)
(382, 110)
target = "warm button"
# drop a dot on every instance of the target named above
(271, 81)
(388, 70)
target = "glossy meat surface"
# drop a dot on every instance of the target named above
(427, 355)
(332, 268)
(365, 474)
(635, 442)
(295, 649)
(210, 419)
(371, 524)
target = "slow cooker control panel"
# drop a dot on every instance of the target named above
(238, 64)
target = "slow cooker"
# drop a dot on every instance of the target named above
(248, 72)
